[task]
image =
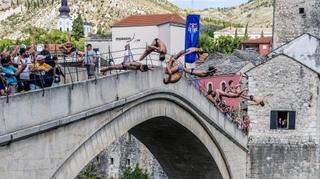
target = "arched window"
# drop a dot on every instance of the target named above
(209, 87)
(223, 86)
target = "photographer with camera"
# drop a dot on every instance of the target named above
(57, 72)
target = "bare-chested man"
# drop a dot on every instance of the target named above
(175, 70)
(233, 92)
(201, 55)
(67, 48)
(156, 46)
(127, 66)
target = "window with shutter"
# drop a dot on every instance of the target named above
(283, 120)
(273, 122)
(292, 120)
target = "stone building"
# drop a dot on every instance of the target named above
(127, 151)
(252, 32)
(87, 28)
(293, 18)
(64, 19)
(304, 48)
(231, 67)
(284, 140)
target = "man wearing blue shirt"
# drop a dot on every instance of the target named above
(10, 73)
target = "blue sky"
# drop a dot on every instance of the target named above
(201, 4)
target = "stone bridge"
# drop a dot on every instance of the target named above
(55, 134)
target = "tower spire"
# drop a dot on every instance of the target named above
(64, 19)
(64, 2)
(64, 9)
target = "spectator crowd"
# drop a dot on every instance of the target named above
(23, 69)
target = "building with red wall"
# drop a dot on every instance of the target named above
(230, 67)
(261, 45)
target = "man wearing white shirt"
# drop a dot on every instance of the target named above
(25, 75)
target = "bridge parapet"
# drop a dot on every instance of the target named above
(32, 113)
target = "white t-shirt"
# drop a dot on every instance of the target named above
(25, 75)
(16, 60)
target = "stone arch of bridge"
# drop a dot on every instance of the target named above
(175, 133)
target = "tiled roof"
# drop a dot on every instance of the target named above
(308, 55)
(149, 20)
(263, 40)
(231, 64)
(241, 31)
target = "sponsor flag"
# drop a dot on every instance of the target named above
(192, 35)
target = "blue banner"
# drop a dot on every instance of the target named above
(192, 35)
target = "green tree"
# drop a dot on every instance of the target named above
(5, 43)
(136, 173)
(222, 44)
(226, 44)
(209, 29)
(90, 172)
(206, 42)
(236, 33)
(246, 35)
(77, 27)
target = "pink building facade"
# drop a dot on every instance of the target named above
(218, 82)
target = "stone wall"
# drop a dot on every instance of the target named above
(286, 85)
(122, 153)
(288, 23)
(62, 130)
(290, 161)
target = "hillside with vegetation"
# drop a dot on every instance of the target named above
(18, 15)
(257, 13)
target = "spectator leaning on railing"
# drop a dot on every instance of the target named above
(25, 59)
(57, 72)
(2, 83)
(10, 73)
(39, 74)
